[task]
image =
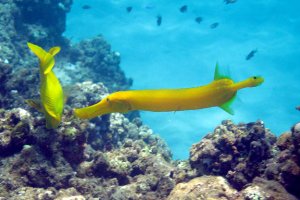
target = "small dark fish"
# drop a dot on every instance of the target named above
(129, 9)
(229, 1)
(298, 108)
(183, 8)
(214, 25)
(158, 20)
(251, 54)
(149, 6)
(86, 7)
(198, 19)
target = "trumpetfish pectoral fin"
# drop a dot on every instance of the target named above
(46, 59)
(227, 106)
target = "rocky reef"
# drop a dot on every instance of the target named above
(97, 62)
(249, 154)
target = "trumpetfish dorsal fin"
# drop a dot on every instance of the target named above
(219, 75)
(227, 105)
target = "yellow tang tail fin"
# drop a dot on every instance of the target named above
(54, 50)
(46, 59)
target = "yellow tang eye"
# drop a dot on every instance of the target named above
(254, 77)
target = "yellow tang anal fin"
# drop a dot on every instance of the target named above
(52, 123)
(226, 106)
(54, 50)
(35, 104)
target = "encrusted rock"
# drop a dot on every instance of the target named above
(203, 188)
(95, 58)
(285, 166)
(264, 190)
(235, 151)
(15, 130)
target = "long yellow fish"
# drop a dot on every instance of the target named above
(51, 93)
(220, 92)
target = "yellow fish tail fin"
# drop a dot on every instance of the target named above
(227, 105)
(92, 111)
(54, 50)
(46, 59)
(87, 112)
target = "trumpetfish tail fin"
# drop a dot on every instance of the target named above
(92, 111)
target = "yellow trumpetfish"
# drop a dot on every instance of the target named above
(51, 93)
(220, 92)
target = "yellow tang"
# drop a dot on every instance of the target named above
(220, 92)
(51, 92)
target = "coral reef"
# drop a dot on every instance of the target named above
(202, 188)
(236, 152)
(216, 187)
(244, 152)
(285, 166)
(264, 189)
(95, 59)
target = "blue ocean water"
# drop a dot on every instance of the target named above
(183, 53)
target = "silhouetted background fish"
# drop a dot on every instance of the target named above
(230, 1)
(158, 20)
(86, 7)
(251, 54)
(183, 8)
(198, 19)
(129, 9)
(214, 25)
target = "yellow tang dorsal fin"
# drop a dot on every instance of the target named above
(46, 59)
